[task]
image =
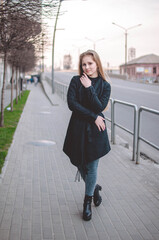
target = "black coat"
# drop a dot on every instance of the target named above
(84, 142)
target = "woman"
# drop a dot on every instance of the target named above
(86, 139)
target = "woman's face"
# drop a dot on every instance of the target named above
(89, 66)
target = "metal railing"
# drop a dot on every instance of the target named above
(138, 131)
(62, 89)
(113, 123)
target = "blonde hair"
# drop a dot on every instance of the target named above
(100, 70)
(96, 58)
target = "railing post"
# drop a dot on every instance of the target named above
(138, 137)
(55, 86)
(112, 122)
(63, 92)
(135, 133)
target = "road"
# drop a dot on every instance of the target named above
(137, 93)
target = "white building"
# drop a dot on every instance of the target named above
(131, 53)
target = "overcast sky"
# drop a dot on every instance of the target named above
(93, 19)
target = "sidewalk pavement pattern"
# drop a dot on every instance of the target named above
(39, 199)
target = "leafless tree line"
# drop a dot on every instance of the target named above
(20, 37)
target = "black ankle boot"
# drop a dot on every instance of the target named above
(87, 211)
(97, 199)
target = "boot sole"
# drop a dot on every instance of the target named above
(97, 204)
(87, 218)
(100, 200)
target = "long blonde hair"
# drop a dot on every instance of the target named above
(100, 70)
(96, 58)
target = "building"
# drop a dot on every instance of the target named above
(144, 68)
(131, 53)
(67, 61)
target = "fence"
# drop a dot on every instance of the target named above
(138, 131)
(113, 123)
(61, 89)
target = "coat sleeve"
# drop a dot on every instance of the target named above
(74, 104)
(99, 104)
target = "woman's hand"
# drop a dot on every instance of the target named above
(86, 82)
(100, 123)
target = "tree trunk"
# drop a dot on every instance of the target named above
(16, 85)
(19, 81)
(3, 89)
(12, 89)
(22, 83)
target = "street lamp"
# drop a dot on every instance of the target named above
(126, 33)
(53, 44)
(78, 47)
(94, 42)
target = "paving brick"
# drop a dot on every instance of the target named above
(4, 234)
(145, 234)
(136, 236)
(47, 233)
(36, 236)
(155, 236)
(25, 234)
(36, 229)
(5, 224)
(15, 232)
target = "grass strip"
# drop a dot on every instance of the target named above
(11, 120)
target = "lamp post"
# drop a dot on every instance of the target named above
(126, 34)
(53, 44)
(42, 57)
(78, 47)
(94, 42)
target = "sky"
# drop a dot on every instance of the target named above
(92, 19)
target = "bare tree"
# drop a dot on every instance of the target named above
(15, 30)
(16, 58)
(20, 22)
(32, 8)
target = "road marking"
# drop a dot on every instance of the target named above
(135, 89)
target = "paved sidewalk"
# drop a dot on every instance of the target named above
(39, 199)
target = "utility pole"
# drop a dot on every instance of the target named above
(94, 42)
(53, 45)
(126, 34)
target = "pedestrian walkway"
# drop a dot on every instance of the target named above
(39, 199)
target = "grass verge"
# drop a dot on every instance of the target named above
(11, 120)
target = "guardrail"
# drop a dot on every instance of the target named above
(61, 89)
(113, 123)
(138, 131)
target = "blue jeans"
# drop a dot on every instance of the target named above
(89, 176)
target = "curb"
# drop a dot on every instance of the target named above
(47, 94)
